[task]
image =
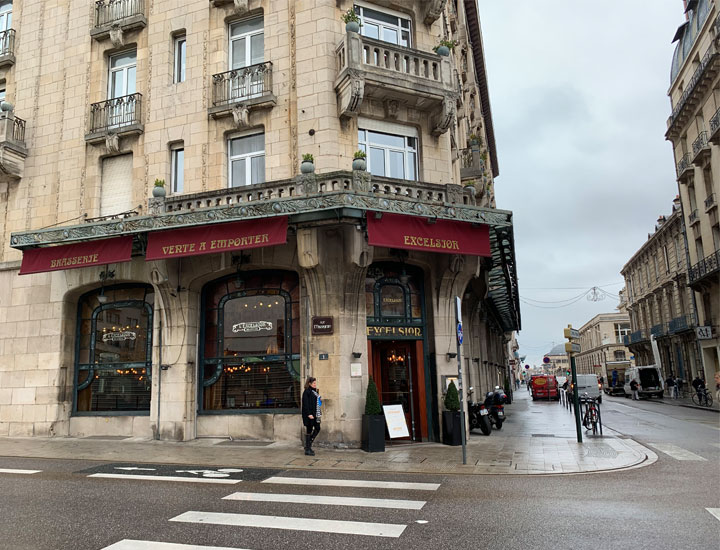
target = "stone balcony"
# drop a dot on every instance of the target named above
(472, 163)
(236, 92)
(13, 151)
(115, 118)
(685, 169)
(701, 149)
(7, 48)
(114, 18)
(395, 76)
(710, 202)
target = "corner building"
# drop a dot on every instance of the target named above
(694, 131)
(197, 308)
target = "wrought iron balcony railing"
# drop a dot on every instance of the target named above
(684, 166)
(116, 114)
(700, 144)
(248, 83)
(715, 127)
(657, 330)
(638, 336)
(710, 202)
(705, 268)
(108, 12)
(694, 217)
(679, 324)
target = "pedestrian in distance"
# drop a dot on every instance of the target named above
(670, 383)
(699, 385)
(717, 386)
(614, 377)
(634, 390)
(311, 413)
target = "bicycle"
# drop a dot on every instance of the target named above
(591, 416)
(702, 397)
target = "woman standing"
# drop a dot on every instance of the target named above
(311, 413)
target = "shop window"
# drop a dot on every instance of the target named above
(251, 351)
(114, 351)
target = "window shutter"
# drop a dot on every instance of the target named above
(116, 192)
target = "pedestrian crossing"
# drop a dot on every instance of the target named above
(678, 453)
(246, 514)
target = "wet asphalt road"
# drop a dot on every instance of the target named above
(663, 505)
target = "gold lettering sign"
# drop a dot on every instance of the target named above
(75, 260)
(389, 332)
(218, 244)
(429, 242)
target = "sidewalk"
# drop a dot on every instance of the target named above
(687, 402)
(536, 438)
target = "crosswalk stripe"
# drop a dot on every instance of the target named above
(396, 504)
(14, 471)
(353, 483)
(715, 512)
(294, 524)
(678, 453)
(130, 544)
(169, 478)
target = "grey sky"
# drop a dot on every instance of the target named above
(579, 100)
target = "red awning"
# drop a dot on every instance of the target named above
(213, 239)
(71, 256)
(415, 233)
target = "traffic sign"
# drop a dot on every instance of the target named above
(571, 333)
(572, 347)
(459, 333)
(546, 360)
(527, 367)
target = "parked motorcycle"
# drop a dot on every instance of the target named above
(494, 404)
(478, 416)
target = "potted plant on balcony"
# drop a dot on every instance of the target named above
(474, 140)
(452, 427)
(373, 421)
(444, 47)
(351, 20)
(470, 185)
(359, 162)
(159, 188)
(307, 166)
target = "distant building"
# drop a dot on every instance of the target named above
(602, 345)
(559, 361)
(694, 130)
(660, 303)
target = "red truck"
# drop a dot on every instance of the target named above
(544, 386)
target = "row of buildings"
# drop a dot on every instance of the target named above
(670, 307)
(171, 268)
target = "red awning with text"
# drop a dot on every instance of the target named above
(214, 239)
(415, 233)
(72, 256)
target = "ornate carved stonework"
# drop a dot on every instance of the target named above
(112, 143)
(156, 205)
(116, 36)
(433, 11)
(241, 115)
(351, 98)
(454, 193)
(308, 184)
(391, 108)
(457, 263)
(361, 181)
(307, 247)
(241, 6)
(444, 119)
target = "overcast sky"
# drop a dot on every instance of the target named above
(578, 94)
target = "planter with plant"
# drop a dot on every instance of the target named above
(452, 426)
(159, 188)
(474, 139)
(444, 47)
(307, 166)
(351, 20)
(373, 421)
(359, 161)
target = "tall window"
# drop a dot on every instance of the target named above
(621, 330)
(384, 26)
(247, 52)
(5, 15)
(390, 155)
(177, 168)
(113, 366)
(123, 68)
(666, 257)
(251, 351)
(179, 61)
(247, 160)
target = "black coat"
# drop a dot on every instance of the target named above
(309, 407)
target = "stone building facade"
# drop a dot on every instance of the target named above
(602, 346)
(694, 131)
(660, 302)
(198, 306)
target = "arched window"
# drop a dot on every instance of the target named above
(251, 352)
(113, 357)
(393, 295)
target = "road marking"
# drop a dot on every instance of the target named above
(332, 501)
(130, 544)
(131, 468)
(678, 453)
(168, 478)
(12, 471)
(294, 524)
(352, 483)
(714, 511)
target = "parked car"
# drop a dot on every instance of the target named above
(544, 386)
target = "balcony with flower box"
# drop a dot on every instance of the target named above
(394, 75)
(236, 92)
(113, 18)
